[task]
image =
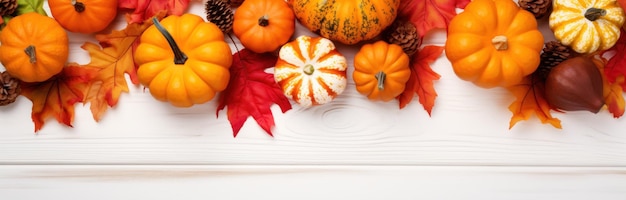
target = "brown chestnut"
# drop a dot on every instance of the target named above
(575, 84)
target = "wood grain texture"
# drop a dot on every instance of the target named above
(164, 182)
(468, 126)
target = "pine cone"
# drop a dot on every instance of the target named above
(9, 88)
(219, 13)
(234, 3)
(539, 8)
(553, 53)
(7, 7)
(405, 34)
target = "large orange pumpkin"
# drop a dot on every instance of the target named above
(493, 43)
(346, 21)
(381, 70)
(263, 25)
(83, 16)
(311, 71)
(183, 60)
(34, 47)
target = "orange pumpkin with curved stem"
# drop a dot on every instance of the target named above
(34, 47)
(493, 43)
(183, 60)
(263, 25)
(83, 16)
(381, 70)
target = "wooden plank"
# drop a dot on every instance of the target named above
(309, 182)
(468, 126)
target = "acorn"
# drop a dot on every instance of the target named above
(575, 85)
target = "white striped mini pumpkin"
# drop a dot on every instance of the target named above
(311, 71)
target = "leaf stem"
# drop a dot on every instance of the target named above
(179, 56)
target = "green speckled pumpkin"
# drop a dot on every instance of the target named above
(346, 21)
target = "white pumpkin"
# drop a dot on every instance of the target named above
(311, 71)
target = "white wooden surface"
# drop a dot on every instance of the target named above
(350, 149)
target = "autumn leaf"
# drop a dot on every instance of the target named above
(24, 6)
(251, 91)
(613, 97)
(113, 59)
(429, 14)
(145, 9)
(530, 99)
(56, 96)
(422, 77)
(616, 65)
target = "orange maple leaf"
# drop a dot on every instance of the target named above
(56, 96)
(530, 99)
(429, 14)
(613, 97)
(113, 58)
(422, 77)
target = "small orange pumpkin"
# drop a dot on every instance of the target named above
(83, 16)
(34, 47)
(381, 70)
(310, 70)
(493, 43)
(263, 25)
(183, 60)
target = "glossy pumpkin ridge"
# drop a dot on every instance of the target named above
(348, 22)
(183, 83)
(493, 43)
(84, 16)
(263, 25)
(311, 71)
(381, 70)
(34, 47)
(179, 56)
(586, 26)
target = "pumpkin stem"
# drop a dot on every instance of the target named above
(592, 14)
(381, 76)
(264, 20)
(32, 55)
(179, 57)
(500, 42)
(308, 69)
(78, 6)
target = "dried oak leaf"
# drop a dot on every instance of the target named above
(56, 96)
(616, 65)
(113, 59)
(430, 14)
(145, 9)
(530, 99)
(421, 81)
(251, 91)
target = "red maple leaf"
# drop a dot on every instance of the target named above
(422, 77)
(616, 66)
(145, 9)
(430, 14)
(530, 99)
(251, 91)
(56, 96)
